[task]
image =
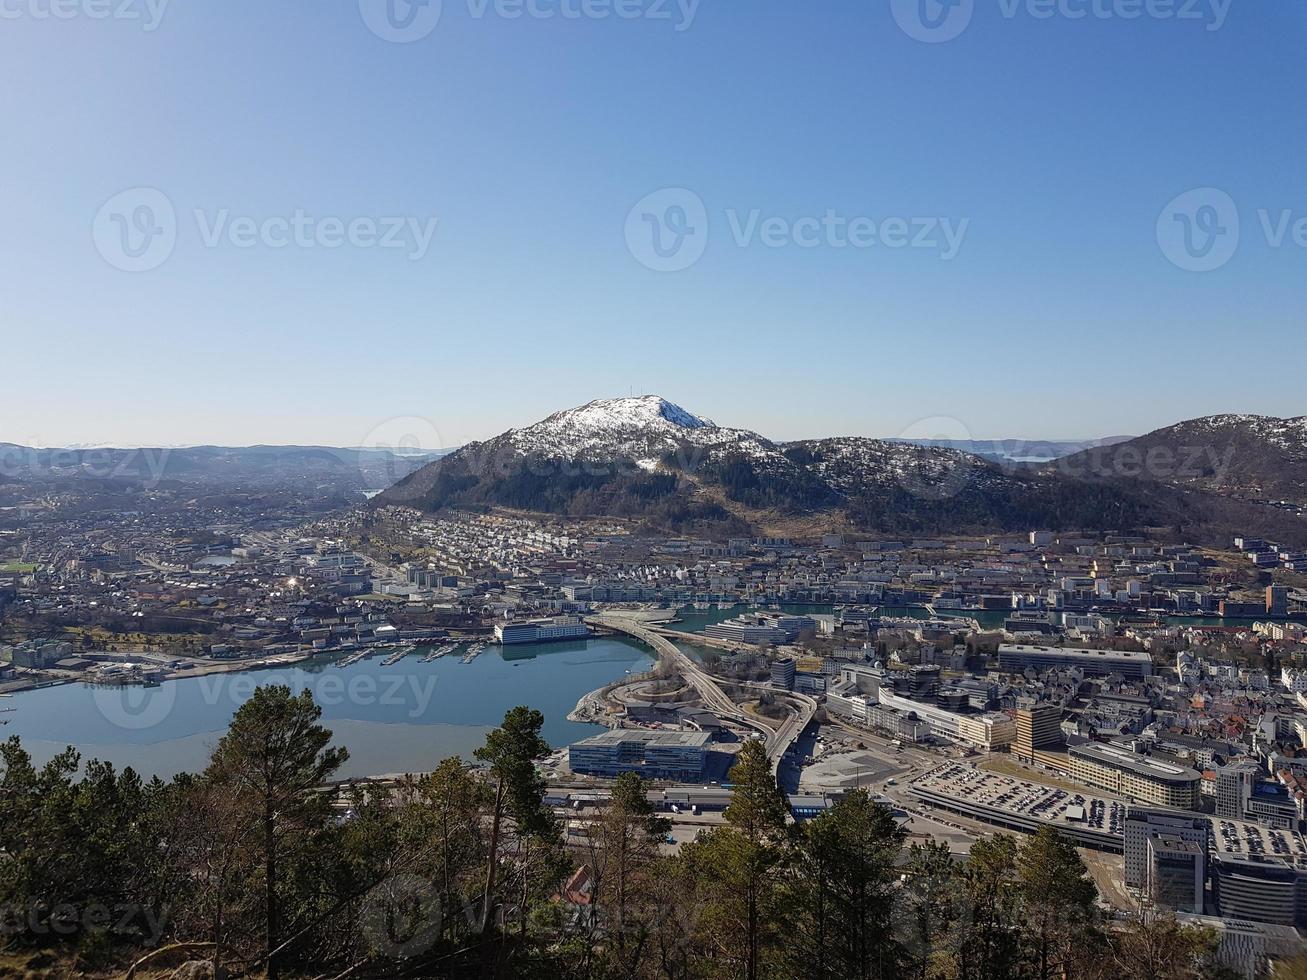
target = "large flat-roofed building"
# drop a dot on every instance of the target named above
(989, 731)
(759, 628)
(1016, 804)
(1234, 785)
(1248, 948)
(1241, 794)
(657, 755)
(783, 672)
(541, 630)
(1134, 776)
(1259, 873)
(1259, 890)
(1271, 804)
(1014, 658)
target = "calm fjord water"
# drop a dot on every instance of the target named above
(402, 718)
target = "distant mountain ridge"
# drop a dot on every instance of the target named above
(649, 458)
(1249, 456)
(349, 469)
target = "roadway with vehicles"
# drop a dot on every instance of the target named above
(779, 735)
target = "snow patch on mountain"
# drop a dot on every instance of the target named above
(643, 428)
(851, 464)
(1287, 435)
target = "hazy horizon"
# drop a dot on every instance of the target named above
(419, 435)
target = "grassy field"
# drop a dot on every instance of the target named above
(18, 567)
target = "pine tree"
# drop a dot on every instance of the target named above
(754, 846)
(273, 757)
(925, 905)
(511, 752)
(1057, 897)
(842, 882)
(987, 948)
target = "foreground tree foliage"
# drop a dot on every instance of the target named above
(263, 866)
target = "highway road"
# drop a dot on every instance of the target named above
(779, 735)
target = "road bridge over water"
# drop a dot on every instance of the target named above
(780, 735)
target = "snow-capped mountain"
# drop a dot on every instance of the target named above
(650, 459)
(643, 429)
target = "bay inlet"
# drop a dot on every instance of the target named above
(405, 717)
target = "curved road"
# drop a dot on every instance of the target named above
(779, 738)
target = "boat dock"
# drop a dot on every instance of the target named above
(397, 656)
(439, 652)
(473, 652)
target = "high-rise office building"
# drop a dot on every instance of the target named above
(1177, 871)
(1038, 726)
(783, 672)
(1234, 787)
(1142, 824)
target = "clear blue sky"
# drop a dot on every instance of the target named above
(1059, 140)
